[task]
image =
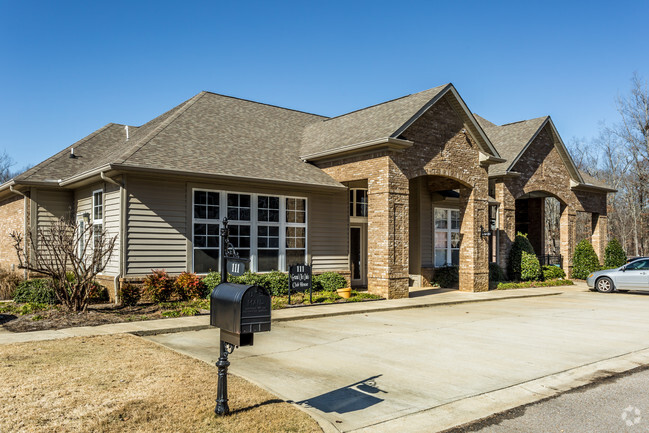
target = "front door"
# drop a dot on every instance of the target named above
(358, 254)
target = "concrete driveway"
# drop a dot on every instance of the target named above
(428, 369)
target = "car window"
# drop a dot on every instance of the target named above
(644, 264)
(639, 265)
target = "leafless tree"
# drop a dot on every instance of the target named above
(620, 157)
(70, 254)
(5, 167)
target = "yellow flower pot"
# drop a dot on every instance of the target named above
(345, 293)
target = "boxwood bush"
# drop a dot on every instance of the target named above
(584, 261)
(37, 291)
(530, 267)
(446, 276)
(553, 273)
(276, 282)
(514, 266)
(614, 255)
(329, 282)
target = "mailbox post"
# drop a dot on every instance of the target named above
(239, 310)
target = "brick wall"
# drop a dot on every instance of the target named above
(441, 149)
(12, 217)
(542, 169)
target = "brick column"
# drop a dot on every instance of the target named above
(387, 232)
(507, 223)
(568, 237)
(599, 238)
(474, 248)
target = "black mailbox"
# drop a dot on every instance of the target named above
(240, 310)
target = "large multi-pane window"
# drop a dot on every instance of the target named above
(447, 237)
(270, 230)
(268, 225)
(295, 230)
(239, 217)
(207, 206)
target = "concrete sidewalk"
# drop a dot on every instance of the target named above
(420, 298)
(429, 369)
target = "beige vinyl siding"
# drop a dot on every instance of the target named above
(51, 205)
(83, 204)
(328, 231)
(156, 226)
(111, 225)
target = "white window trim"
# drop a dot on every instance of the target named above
(103, 207)
(352, 214)
(253, 223)
(449, 230)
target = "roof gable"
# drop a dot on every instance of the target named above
(383, 123)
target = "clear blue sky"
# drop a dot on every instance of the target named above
(68, 68)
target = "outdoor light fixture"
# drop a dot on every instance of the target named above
(483, 232)
(86, 217)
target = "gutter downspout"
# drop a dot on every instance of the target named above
(110, 180)
(25, 199)
(121, 271)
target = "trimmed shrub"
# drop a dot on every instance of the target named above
(129, 295)
(211, 280)
(614, 255)
(158, 286)
(553, 273)
(276, 283)
(248, 277)
(496, 273)
(8, 283)
(98, 293)
(446, 276)
(528, 284)
(530, 267)
(584, 261)
(328, 281)
(188, 286)
(37, 291)
(521, 244)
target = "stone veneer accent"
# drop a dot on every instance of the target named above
(542, 169)
(441, 148)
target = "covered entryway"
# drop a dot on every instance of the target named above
(446, 223)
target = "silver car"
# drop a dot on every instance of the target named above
(632, 276)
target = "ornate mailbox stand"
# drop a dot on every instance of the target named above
(239, 310)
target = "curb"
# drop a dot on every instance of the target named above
(189, 328)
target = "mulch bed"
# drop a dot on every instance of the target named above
(98, 314)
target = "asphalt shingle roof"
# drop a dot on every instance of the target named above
(208, 134)
(510, 139)
(371, 123)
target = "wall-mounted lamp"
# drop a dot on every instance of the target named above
(86, 217)
(483, 232)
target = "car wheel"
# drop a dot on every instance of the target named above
(604, 285)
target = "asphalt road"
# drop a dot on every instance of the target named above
(618, 404)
